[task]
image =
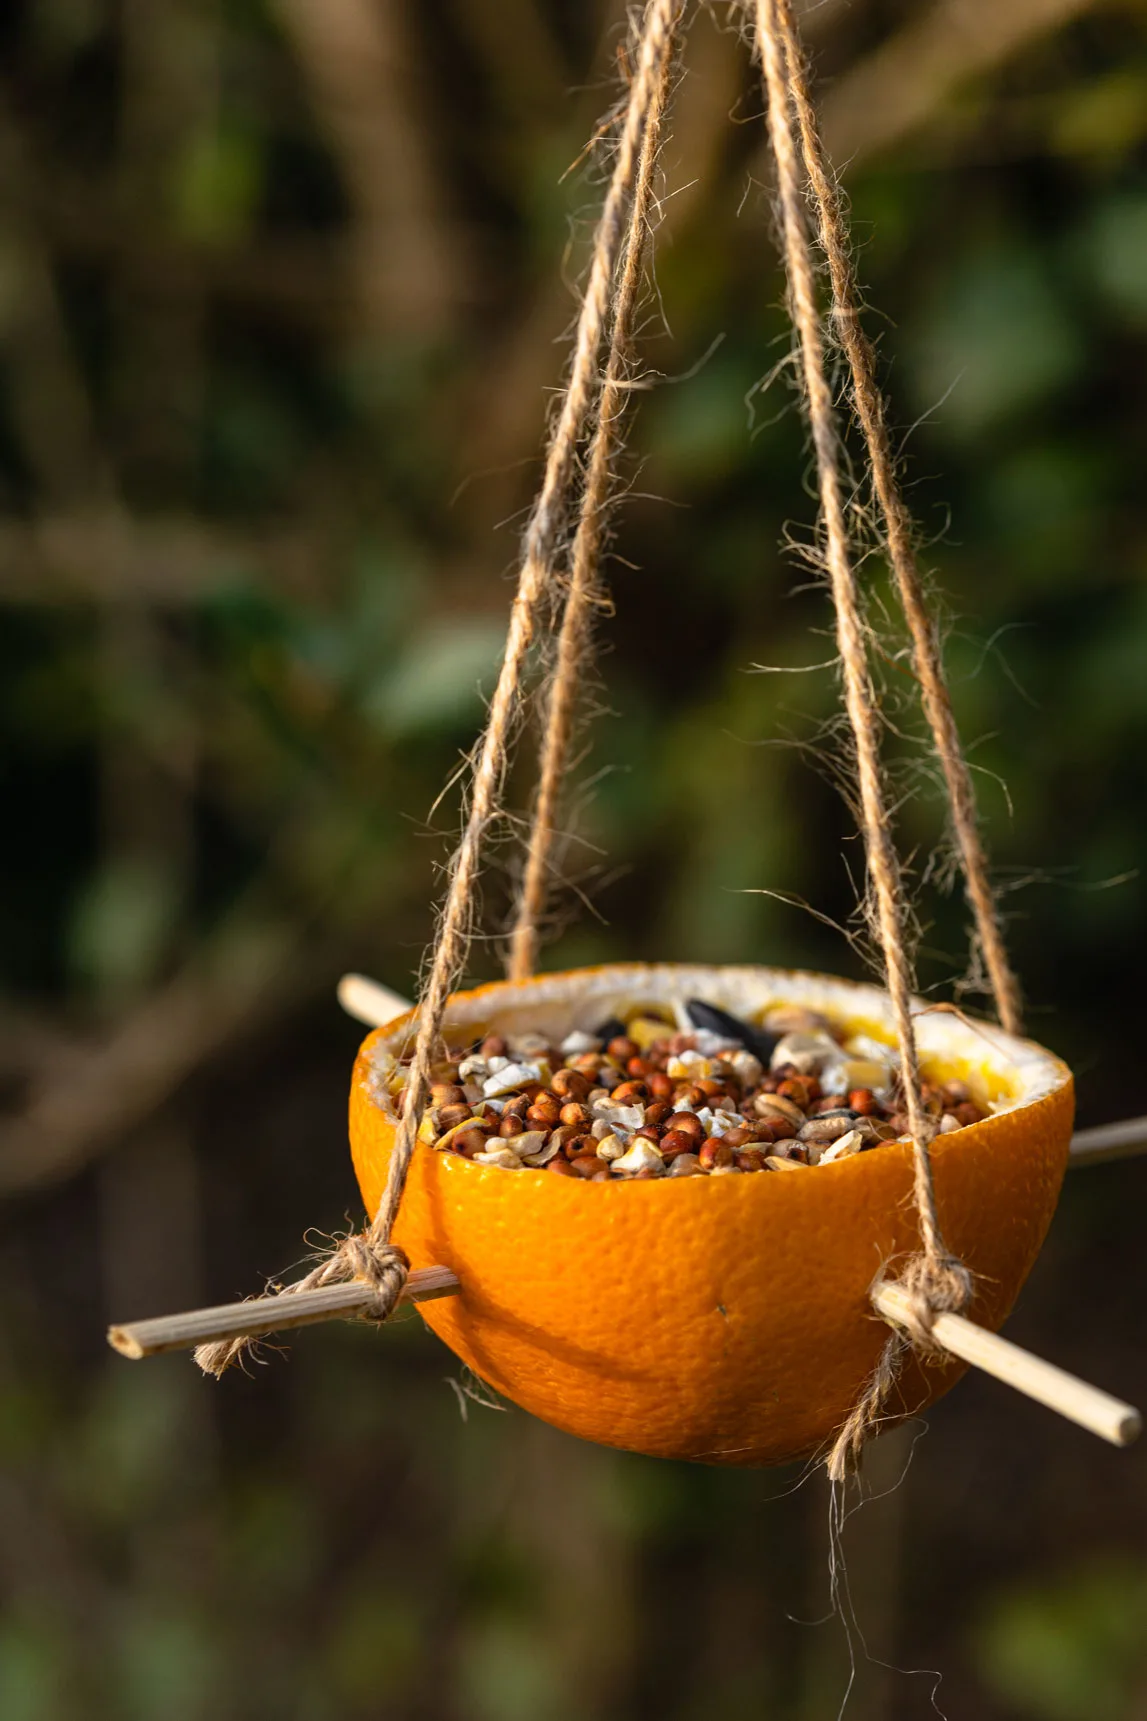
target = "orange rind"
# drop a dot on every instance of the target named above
(724, 1320)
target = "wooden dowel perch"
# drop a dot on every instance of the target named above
(1122, 1140)
(1097, 1411)
(261, 1315)
(1108, 1417)
(369, 1002)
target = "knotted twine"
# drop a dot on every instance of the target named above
(369, 1257)
(935, 1278)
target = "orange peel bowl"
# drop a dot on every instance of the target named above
(725, 1320)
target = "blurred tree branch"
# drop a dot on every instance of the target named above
(908, 81)
(88, 1097)
(60, 559)
(410, 262)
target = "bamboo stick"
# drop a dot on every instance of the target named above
(1108, 1417)
(1097, 1411)
(1109, 1141)
(259, 1315)
(369, 1002)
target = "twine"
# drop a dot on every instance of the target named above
(869, 404)
(866, 1414)
(369, 1256)
(379, 1265)
(584, 590)
(936, 1279)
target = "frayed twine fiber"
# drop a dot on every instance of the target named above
(943, 1286)
(868, 401)
(379, 1265)
(370, 1256)
(584, 587)
(883, 862)
(937, 1280)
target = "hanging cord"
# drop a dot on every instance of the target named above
(870, 410)
(584, 591)
(936, 1279)
(370, 1256)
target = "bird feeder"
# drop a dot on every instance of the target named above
(721, 1319)
(736, 1320)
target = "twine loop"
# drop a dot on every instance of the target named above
(382, 1266)
(604, 322)
(559, 575)
(365, 1257)
(937, 1284)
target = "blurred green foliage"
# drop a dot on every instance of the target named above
(1073, 1647)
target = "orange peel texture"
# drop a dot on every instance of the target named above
(725, 1320)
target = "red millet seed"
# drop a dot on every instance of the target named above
(446, 1094)
(968, 1113)
(675, 1141)
(688, 1123)
(544, 1113)
(795, 1088)
(773, 1129)
(571, 1084)
(586, 1064)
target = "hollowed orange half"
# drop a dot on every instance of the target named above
(727, 1319)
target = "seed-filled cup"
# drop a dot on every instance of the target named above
(724, 1319)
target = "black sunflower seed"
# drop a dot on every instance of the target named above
(718, 1021)
(611, 1029)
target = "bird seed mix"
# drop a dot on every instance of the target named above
(703, 1094)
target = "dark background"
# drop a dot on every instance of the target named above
(283, 286)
